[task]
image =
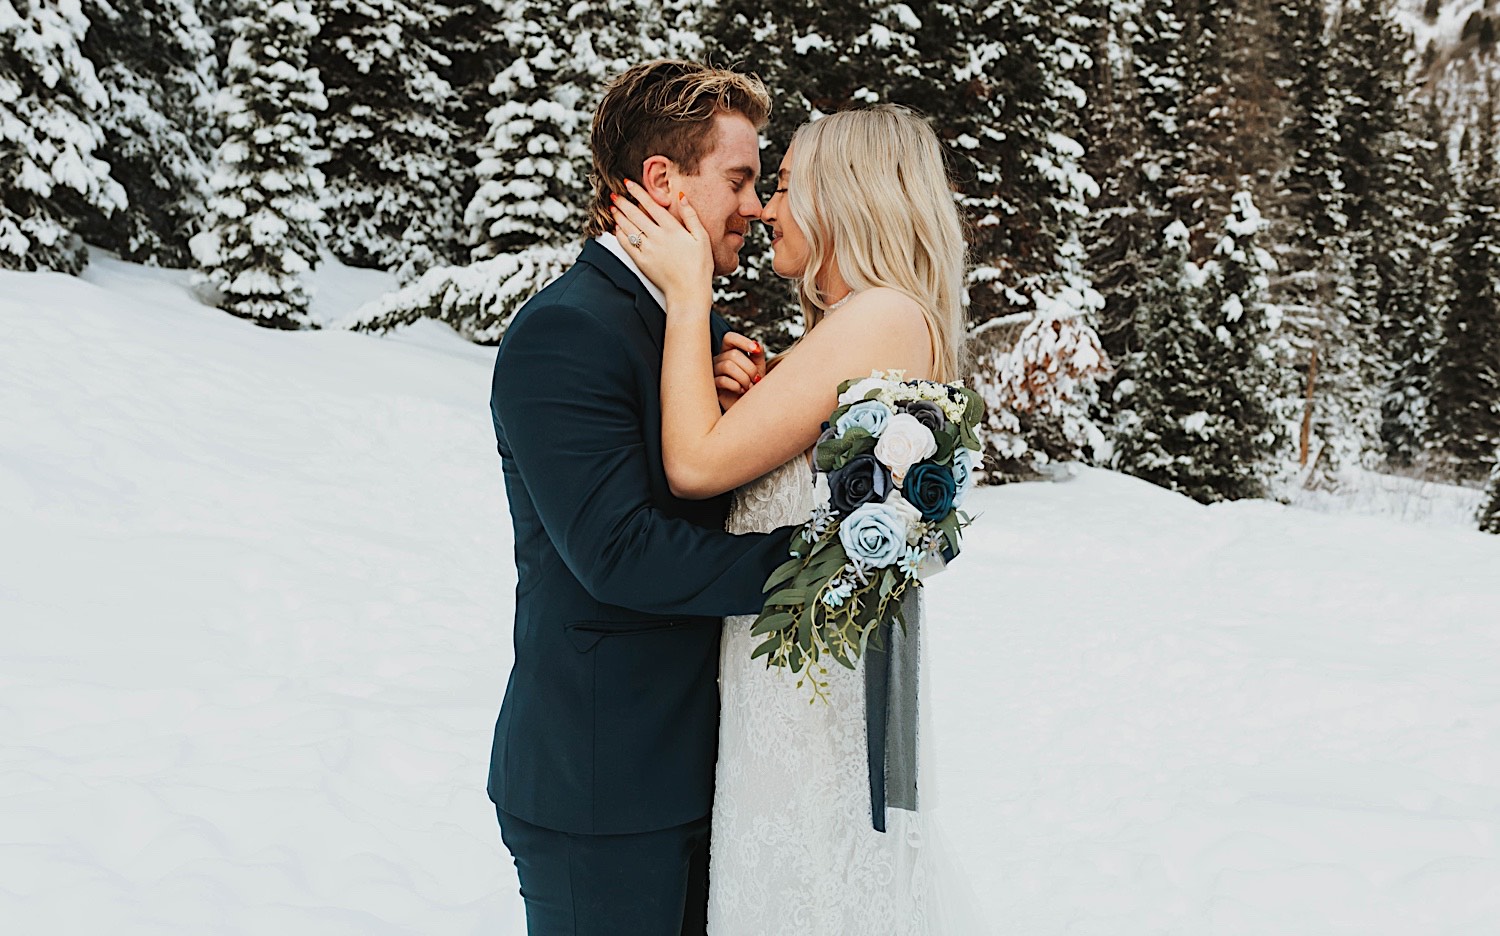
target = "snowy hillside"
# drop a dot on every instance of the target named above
(256, 588)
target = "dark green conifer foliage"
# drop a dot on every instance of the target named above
(51, 105)
(264, 230)
(393, 164)
(156, 61)
(1465, 408)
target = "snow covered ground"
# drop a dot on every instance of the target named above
(255, 589)
(1407, 499)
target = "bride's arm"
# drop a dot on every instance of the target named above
(706, 452)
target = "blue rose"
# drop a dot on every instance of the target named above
(875, 534)
(930, 488)
(870, 415)
(964, 462)
(862, 480)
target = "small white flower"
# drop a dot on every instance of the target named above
(817, 525)
(836, 591)
(857, 571)
(904, 443)
(910, 563)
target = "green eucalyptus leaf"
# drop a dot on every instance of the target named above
(947, 441)
(765, 648)
(843, 658)
(770, 623)
(786, 597)
(973, 407)
(827, 563)
(828, 453)
(949, 527)
(784, 573)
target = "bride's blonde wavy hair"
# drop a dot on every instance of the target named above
(870, 191)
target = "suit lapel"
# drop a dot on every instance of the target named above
(652, 316)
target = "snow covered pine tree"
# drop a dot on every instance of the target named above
(263, 228)
(156, 61)
(50, 106)
(526, 216)
(391, 201)
(1465, 405)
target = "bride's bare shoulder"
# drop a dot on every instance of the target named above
(879, 311)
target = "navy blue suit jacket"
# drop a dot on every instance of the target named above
(610, 718)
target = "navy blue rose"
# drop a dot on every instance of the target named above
(930, 488)
(863, 480)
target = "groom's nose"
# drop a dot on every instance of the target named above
(750, 206)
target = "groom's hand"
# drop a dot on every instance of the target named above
(740, 364)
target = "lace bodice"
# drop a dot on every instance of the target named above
(793, 849)
(781, 497)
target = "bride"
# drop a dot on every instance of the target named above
(863, 220)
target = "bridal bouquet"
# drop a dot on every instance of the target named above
(894, 463)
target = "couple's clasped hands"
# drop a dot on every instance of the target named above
(673, 249)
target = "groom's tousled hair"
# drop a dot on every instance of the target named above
(663, 108)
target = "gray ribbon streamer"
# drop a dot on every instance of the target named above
(891, 681)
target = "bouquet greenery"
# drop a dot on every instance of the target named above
(893, 465)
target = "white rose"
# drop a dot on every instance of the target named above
(820, 490)
(904, 443)
(910, 514)
(859, 388)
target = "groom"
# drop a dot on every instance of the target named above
(602, 769)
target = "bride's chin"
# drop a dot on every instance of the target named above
(783, 270)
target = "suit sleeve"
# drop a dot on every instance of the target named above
(566, 401)
(717, 329)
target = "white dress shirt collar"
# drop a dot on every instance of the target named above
(613, 245)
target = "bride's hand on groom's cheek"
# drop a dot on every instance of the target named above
(664, 245)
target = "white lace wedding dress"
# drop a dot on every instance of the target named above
(793, 849)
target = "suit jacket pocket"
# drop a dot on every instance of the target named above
(585, 635)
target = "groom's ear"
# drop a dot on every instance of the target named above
(658, 179)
